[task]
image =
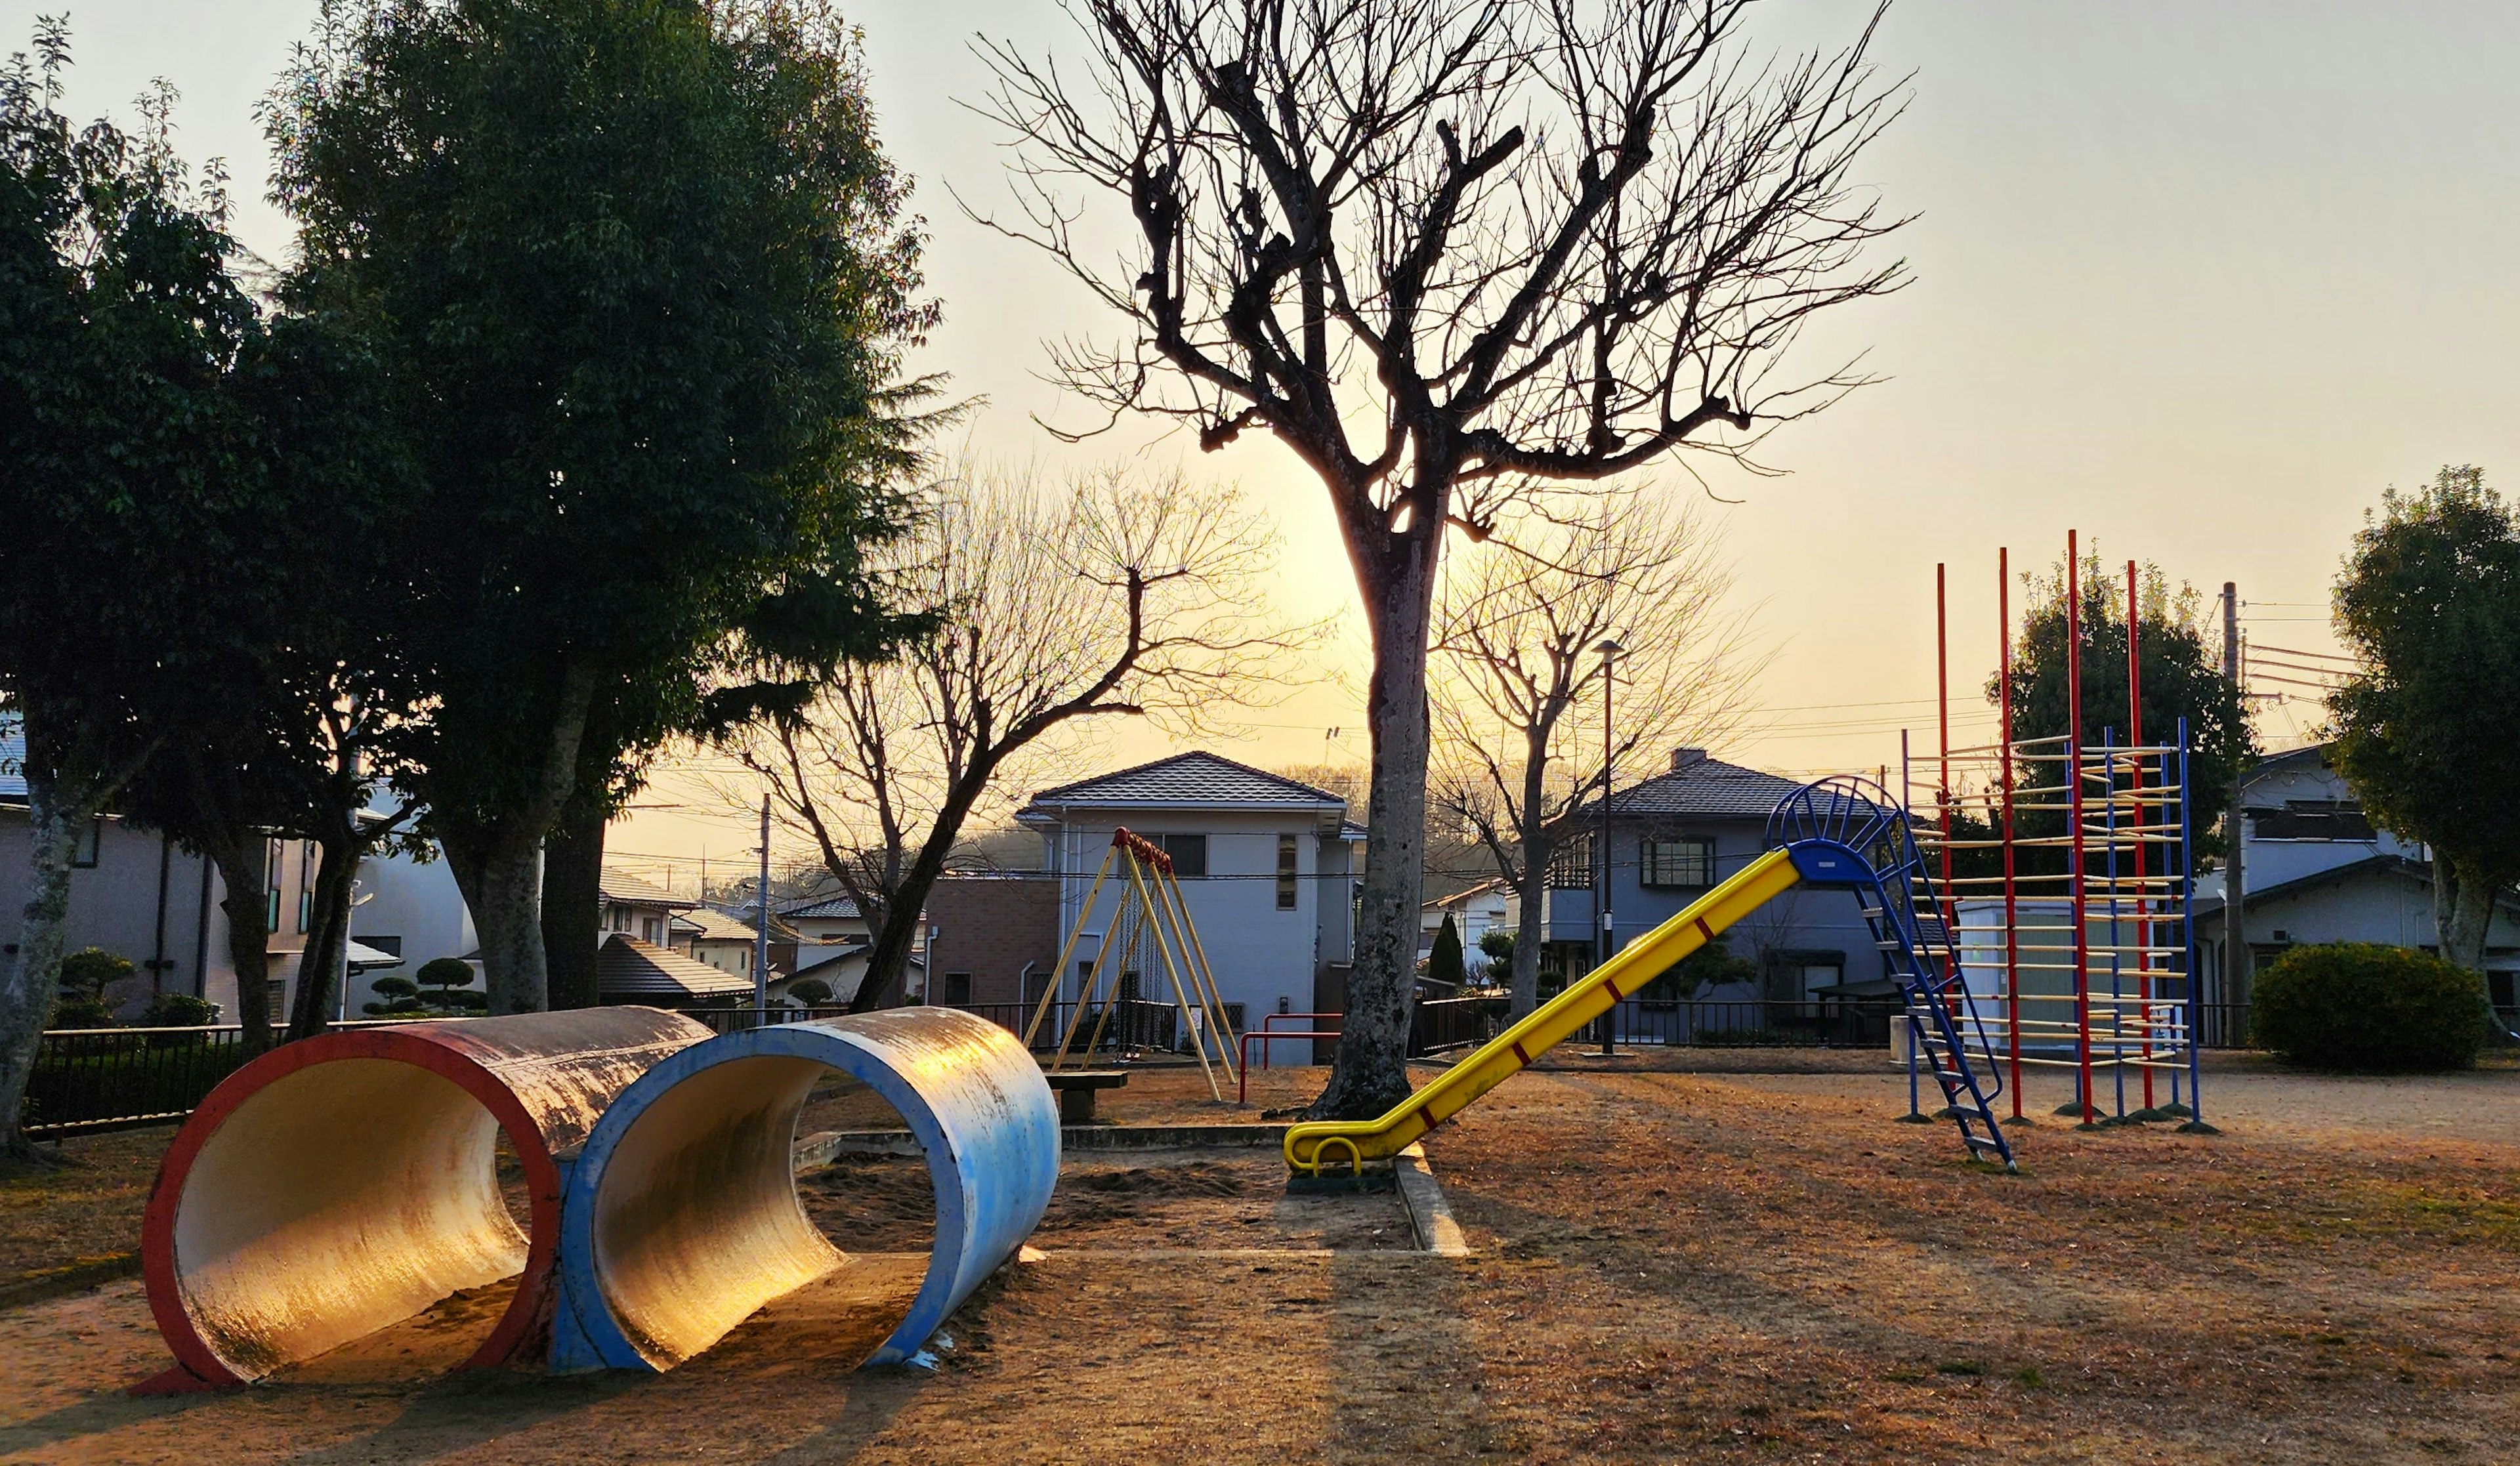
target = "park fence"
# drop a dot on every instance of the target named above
(87, 1080)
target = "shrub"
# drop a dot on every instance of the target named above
(2355, 1006)
(810, 992)
(441, 973)
(85, 975)
(179, 1011)
(1498, 943)
(1444, 961)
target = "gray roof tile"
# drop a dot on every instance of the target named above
(629, 890)
(626, 967)
(1708, 789)
(1193, 780)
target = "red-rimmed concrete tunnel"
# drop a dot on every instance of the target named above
(342, 1183)
(683, 1217)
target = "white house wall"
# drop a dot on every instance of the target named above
(1264, 958)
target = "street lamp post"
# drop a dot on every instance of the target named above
(1607, 940)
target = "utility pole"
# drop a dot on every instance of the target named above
(1609, 649)
(2237, 966)
(761, 918)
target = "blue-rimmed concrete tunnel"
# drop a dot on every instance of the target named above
(682, 1216)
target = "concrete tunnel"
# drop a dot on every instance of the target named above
(682, 1216)
(342, 1183)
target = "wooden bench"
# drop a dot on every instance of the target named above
(1076, 1089)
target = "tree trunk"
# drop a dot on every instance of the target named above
(2462, 910)
(498, 860)
(572, 901)
(1371, 1072)
(319, 967)
(28, 983)
(889, 961)
(502, 884)
(247, 906)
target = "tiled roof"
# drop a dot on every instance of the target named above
(627, 967)
(629, 890)
(1193, 780)
(1707, 790)
(820, 907)
(713, 925)
(13, 758)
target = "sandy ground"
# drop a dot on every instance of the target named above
(1668, 1266)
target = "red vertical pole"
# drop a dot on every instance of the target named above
(2074, 815)
(2135, 786)
(2011, 910)
(1943, 764)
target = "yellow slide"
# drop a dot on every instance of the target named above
(1318, 1142)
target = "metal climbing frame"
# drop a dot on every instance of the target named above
(2070, 889)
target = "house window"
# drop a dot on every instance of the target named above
(1570, 865)
(275, 999)
(91, 844)
(2334, 819)
(1286, 872)
(1678, 865)
(271, 885)
(653, 929)
(2503, 990)
(1189, 854)
(956, 990)
(306, 885)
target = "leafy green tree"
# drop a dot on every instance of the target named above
(1444, 961)
(448, 985)
(2430, 599)
(119, 325)
(811, 991)
(2183, 678)
(642, 279)
(1498, 943)
(1711, 966)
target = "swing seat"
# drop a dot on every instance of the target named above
(1076, 1089)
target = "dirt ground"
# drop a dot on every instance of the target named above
(1667, 1265)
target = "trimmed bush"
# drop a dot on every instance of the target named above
(179, 1011)
(2361, 1006)
(811, 991)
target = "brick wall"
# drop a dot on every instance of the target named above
(991, 926)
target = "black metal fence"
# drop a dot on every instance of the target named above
(1441, 1024)
(1129, 1023)
(92, 1080)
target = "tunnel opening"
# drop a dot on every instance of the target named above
(686, 1215)
(340, 1185)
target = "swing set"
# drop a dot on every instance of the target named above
(1151, 927)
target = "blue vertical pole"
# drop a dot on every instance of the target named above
(2186, 921)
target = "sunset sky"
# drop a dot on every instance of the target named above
(2197, 280)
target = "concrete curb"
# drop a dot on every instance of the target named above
(61, 1282)
(822, 1148)
(1431, 1216)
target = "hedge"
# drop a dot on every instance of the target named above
(2362, 1007)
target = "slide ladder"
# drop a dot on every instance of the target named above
(1909, 917)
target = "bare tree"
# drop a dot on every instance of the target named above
(1445, 250)
(1054, 605)
(1517, 632)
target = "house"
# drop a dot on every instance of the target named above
(1266, 863)
(137, 893)
(833, 938)
(2319, 870)
(632, 969)
(993, 937)
(706, 934)
(1672, 838)
(627, 904)
(1490, 906)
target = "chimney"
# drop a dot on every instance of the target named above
(1681, 758)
